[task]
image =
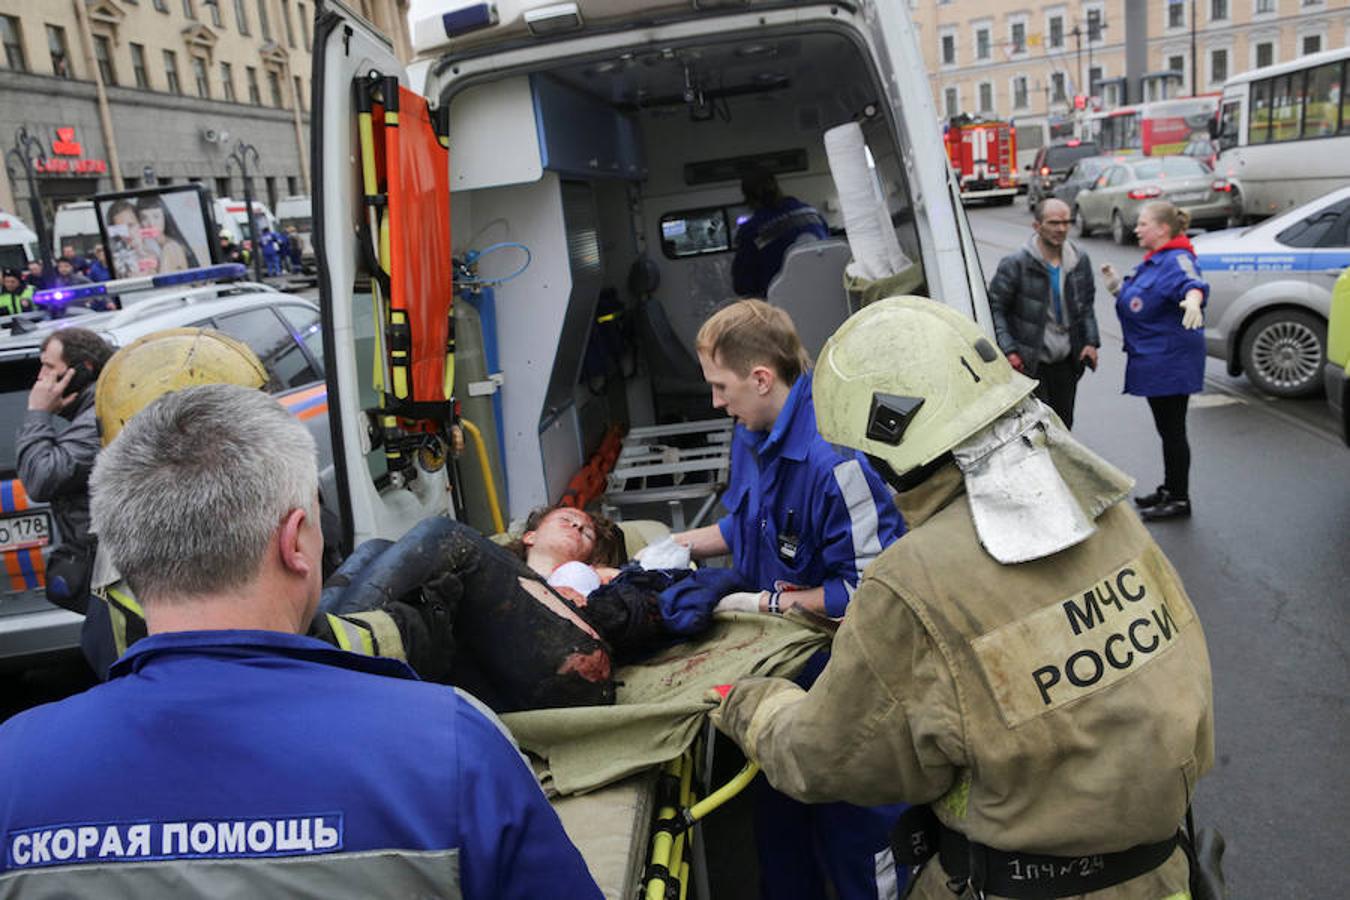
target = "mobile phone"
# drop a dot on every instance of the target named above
(80, 380)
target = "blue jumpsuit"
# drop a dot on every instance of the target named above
(1163, 357)
(804, 514)
(293, 768)
(764, 239)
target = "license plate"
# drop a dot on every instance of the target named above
(1193, 195)
(25, 530)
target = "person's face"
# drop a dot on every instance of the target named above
(68, 252)
(52, 359)
(35, 267)
(745, 398)
(64, 267)
(566, 533)
(1151, 233)
(98, 252)
(1053, 228)
(11, 284)
(152, 217)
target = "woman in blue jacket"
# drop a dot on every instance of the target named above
(1159, 306)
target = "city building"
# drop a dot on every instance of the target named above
(120, 94)
(1014, 59)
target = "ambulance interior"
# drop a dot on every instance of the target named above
(621, 175)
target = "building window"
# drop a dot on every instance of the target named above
(216, 18)
(1094, 79)
(56, 43)
(138, 66)
(300, 95)
(241, 16)
(1017, 34)
(161, 6)
(1218, 10)
(189, 10)
(103, 56)
(199, 74)
(286, 21)
(171, 72)
(1312, 43)
(274, 88)
(1176, 63)
(981, 43)
(1265, 7)
(263, 24)
(1265, 54)
(1058, 94)
(986, 97)
(251, 76)
(1056, 30)
(227, 81)
(1019, 92)
(1094, 25)
(952, 101)
(1176, 14)
(949, 49)
(222, 190)
(13, 41)
(1218, 66)
(292, 186)
(304, 23)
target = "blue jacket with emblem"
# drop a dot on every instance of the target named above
(764, 239)
(801, 513)
(293, 768)
(1164, 357)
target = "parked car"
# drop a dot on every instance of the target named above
(1336, 375)
(1084, 172)
(1052, 163)
(1115, 198)
(1270, 293)
(282, 329)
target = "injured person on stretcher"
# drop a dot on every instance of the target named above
(539, 623)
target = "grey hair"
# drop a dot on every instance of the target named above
(187, 497)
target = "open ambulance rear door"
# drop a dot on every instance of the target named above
(380, 496)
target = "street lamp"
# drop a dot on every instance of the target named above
(27, 151)
(240, 156)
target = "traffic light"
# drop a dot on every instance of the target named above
(1079, 101)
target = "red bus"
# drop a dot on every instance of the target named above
(1162, 128)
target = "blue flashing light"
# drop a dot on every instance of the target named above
(205, 273)
(60, 298)
(470, 18)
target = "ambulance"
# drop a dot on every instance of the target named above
(520, 232)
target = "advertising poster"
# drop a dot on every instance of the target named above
(153, 231)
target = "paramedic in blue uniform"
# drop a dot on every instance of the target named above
(293, 767)
(1160, 306)
(776, 223)
(804, 521)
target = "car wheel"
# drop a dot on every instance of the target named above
(1283, 353)
(1119, 233)
(1083, 229)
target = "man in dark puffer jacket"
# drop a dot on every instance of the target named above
(1041, 301)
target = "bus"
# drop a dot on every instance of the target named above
(1161, 128)
(1276, 116)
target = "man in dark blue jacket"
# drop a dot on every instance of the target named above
(777, 223)
(1041, 303)
(231, 756)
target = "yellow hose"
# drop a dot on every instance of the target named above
(488, 481)
(724, 793)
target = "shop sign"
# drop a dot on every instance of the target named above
(64, 147)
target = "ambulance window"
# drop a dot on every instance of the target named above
(696, 232)
(266, 336)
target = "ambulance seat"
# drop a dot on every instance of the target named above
(810, 288)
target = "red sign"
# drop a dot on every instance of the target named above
(65, 143)
(71, 166)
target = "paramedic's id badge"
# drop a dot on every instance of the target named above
(787, 547)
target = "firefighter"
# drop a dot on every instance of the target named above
(1025, 662)
(177, 358)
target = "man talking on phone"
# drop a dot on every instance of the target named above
(56, 446)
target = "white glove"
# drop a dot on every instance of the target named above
(741, 601)
(667, 553)
(1112, 278)
(1192, 316)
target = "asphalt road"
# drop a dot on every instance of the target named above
(1265, 559)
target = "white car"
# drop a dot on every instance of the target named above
(282, 329)
(1270, 293)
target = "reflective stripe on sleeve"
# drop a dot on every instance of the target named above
(862, 516)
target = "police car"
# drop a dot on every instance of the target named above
(1270, 293)
(282, 329)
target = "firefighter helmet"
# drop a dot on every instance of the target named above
(906, 379)
(165, 361)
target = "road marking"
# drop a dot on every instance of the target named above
(1204, 401)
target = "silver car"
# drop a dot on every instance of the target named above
(282, 329)
(1113, 201)
(1270, 293)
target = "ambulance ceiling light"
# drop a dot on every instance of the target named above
(555, 19)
